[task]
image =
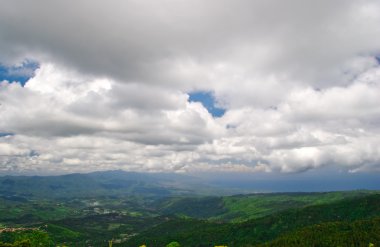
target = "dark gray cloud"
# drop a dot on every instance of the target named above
(142, 41)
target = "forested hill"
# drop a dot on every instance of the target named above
(359, 233)
(341, 218)
(238, 208)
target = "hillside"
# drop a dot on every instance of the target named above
(360, 233)
(192, 232)
(240, 208)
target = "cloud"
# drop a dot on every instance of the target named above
(142, 41)
(57, 103)
(299, 82)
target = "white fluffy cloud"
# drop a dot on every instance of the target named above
(299, 80)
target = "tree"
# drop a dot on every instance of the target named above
(173, 244)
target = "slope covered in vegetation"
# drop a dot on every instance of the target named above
(190, 232)
(240, 208)
(360, 233)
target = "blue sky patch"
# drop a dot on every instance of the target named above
(208, 101)
(20, 73)
(4, 134)
(378, 59)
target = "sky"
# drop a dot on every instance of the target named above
(237, 87)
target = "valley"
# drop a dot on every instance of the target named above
(136, 209)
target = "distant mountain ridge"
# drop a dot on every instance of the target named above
(105, 183)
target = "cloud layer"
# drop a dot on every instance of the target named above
(300, 82)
